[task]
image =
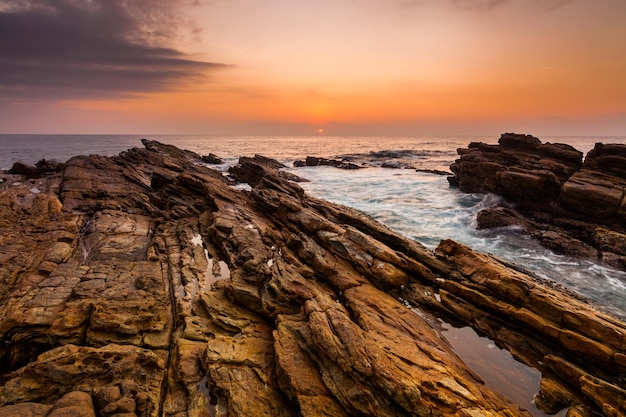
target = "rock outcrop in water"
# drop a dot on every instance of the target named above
(145, 285)
(570, 206)
(394, 159)
(314, 161)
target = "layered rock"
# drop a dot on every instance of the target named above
(144, 284)
(570, 206)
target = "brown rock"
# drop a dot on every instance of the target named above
(611, 398)
(25, 409)
(73, 404)
(592, 194)
(212, 159)
(500, 216)
(553, 396)
(609, 240)
(313, 161)
(22, 168)
(607, 158)
(552, 191)
(158, 288)
(520, 142)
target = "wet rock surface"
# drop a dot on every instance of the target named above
(571, 206)
(145, 285)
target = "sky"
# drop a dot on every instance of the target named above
(300, 67)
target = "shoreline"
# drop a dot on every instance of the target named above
(116, 278)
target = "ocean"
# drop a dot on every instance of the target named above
(417, 204)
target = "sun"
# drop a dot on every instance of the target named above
(320, 131)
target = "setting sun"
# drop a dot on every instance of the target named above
(320, 131)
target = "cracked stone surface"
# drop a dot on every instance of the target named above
(145, 285)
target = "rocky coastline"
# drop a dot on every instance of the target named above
(571, 206)
(145, 284)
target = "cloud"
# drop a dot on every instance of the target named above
(540, 5)
(72, 49)
(478, 4)
(485, 5)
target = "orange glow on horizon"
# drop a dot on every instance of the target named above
(458, 65)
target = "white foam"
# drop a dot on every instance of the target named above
(242, 186)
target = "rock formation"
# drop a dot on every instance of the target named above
(314, 161)
(145, 285)
(395, 159)
(570, 206)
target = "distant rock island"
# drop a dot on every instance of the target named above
(145, 284)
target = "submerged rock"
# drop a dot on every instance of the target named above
(144, 284)
(565, 203)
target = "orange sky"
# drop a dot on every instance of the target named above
(546, 67)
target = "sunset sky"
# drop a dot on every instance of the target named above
(292, 67)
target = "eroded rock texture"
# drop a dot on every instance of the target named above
(145, 285)
(571, 207)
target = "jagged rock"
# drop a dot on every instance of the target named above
(46, 166)
(144, 284)
(253, 170)
(552, 191)
(313, 161)
(22, 168)
(607, 158)
(501, 216)
(212, 159)
(40, 168)
(519, 142)
(520, 168)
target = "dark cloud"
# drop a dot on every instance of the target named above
(60, 49)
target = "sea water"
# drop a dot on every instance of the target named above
(419, 205)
